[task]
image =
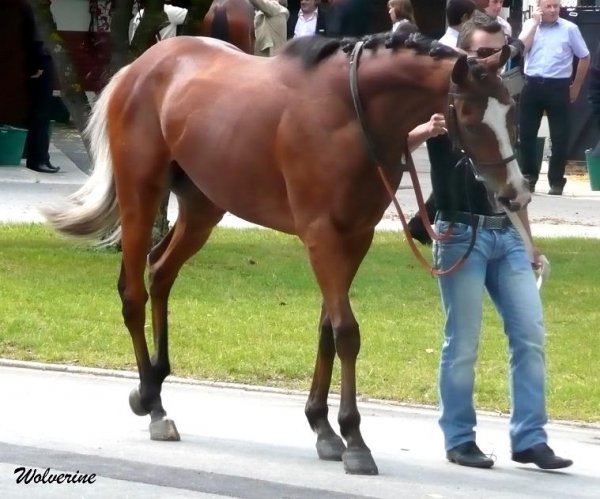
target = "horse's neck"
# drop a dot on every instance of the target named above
(411, 87)
(399, 91)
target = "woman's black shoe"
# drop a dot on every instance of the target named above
(44, 168)
(468, 454)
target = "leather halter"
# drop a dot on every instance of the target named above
(410, 167)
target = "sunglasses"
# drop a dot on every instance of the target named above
(485, 52)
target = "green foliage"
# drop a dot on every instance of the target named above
(246, 307)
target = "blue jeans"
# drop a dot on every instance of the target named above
(498, 263)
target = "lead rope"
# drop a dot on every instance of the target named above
(543, 272)
(411, 169)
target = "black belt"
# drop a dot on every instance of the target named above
(542, 81)
(493, 222)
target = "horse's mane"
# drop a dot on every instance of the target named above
(312, 50)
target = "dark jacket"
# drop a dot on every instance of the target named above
(352, 18)
(321, 21)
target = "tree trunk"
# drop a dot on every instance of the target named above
(72, 90)
(120, 54)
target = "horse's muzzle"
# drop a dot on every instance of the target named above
(515, 199)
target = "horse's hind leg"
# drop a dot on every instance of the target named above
(330, 446)
(335, 258)
(196, 219)
(140, 192)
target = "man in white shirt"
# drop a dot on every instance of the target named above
(457, 12)
(308, 22)
(176, 17)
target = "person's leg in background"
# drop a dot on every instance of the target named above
(531, 110)
(557, 110)
(38, 137)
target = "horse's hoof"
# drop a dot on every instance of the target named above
(164, 430)
(135, 402)
(359, 462)
(330, 449)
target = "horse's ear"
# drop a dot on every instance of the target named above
(504, 55)
(460, 72)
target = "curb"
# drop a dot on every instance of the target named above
(366, 402)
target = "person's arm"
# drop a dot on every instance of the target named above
(432, 128)
(581, 51)
(175, 14)
(529, 28)
(269, 7)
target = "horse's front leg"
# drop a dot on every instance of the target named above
(357, 458)
(330, 446)
(335, 259)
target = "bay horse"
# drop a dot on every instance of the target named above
(231, 21)
(278, 142)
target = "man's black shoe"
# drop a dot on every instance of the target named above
(44, 168)
(542, 456)
(468, 454)
(555, 190)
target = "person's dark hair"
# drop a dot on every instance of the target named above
(456, 9)
(470, 26)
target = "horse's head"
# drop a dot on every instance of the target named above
(482, 122)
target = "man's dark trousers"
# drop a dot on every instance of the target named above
(552, 96)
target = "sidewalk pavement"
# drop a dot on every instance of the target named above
(576, 213)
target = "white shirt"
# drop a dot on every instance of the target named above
(176, 17)
(552, 50)
(450, 38)
(306, 26)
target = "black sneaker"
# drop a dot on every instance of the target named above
(468, 454)
(542, 456)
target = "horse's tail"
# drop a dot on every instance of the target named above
(92, 211)
(220, 24)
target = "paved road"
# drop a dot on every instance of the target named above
(240, 442)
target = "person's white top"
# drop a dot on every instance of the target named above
(176, 17)
(306, 25)
(450, 38)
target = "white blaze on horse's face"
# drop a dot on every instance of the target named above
(495, 118)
